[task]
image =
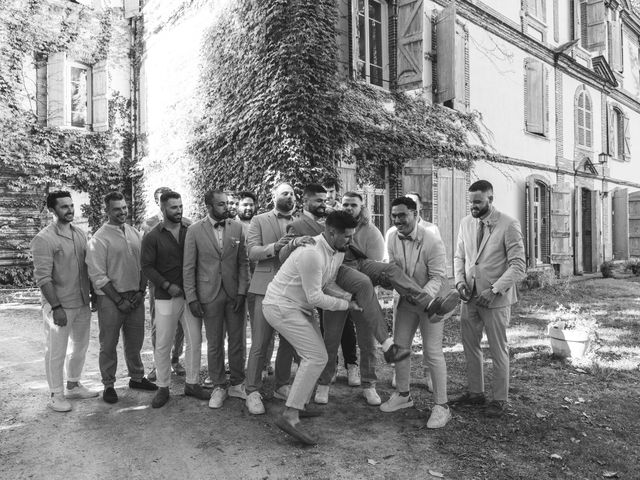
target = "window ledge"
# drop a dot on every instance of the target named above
(537, 135)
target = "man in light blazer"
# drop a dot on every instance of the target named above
(488, 262)
(216, 278)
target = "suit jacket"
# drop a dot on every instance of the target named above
(264, 232)
(207, 269)
(500, 260)
(426, 260)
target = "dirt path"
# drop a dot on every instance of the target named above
(186, 439)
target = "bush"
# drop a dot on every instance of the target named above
(538, 278)
(606, 268)
(633, 266)
(17, 276)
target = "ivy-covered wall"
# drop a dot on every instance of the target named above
(36, 157)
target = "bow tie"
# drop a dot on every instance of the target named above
(219, 224)
(405, 237)
(282, 215)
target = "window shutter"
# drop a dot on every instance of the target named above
(131, 8)
(460, 101)
(560, 219)
(56, 84)
(41, 92)
(587, 120)
(535, 88)
(446, 41)
(529, 238)
(627, 139)
(545, 98)
(355, 38)
(410, 52)
(576, 19)
(615, 45)
(100, 104)
(596, 26)
(582, 7)
(556, 22)
(611, 131)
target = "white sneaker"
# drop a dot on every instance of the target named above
(322, 394)
(427, 380)
(58, 403)
(353, 375)
(237, 391)
(372, 396)
(282, 393)
(80, 392)
(254, 403)
(396, 402)
(393, 379)
(218, 397)
(439, 416)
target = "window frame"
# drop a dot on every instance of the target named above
(357, 35)
(582, 92)
(88, 124)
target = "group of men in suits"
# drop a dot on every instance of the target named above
(283, 266)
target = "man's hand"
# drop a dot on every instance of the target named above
(137, 299)
(196, 309)
(125, 306)
(175, 291)
(59, 316)
(304, 240)
(239, 303)
(353, 305)
(282, 242)
(463, 290)
(486, 298)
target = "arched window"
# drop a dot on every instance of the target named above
(584, 119)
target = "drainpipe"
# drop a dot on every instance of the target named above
(134, 104)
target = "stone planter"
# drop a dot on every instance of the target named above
(568, 343)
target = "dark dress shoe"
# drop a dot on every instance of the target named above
(195, 390)
(295, 431)
(310, 412)
(143, 384)
(396, 353)
(161, 398)
(496, 408)
(443, 305)
(109, 395)
(468, 398)
(178, 369)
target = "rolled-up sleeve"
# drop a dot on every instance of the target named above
(97, 262)
(42, 261)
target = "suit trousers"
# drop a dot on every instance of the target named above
(369, 323)
(111, 321)
(302, 331)
(261, 337)
(391, 276)
(408, 319)
(168, 315)
(55, 346)
(219, 317)
(473, 319)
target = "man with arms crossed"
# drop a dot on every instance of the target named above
(216, 278)
(113, 259)
(307, 280)
(488, 263)
(61, 273)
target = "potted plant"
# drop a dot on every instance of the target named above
(571, 331)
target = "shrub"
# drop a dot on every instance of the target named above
(17, 276)
(539, 278)
(633, 266)
(606, 268)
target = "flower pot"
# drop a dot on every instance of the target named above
(568, 343)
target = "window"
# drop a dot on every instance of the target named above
(374, 201)
(536, 97)
(618, 134)
(583, 118)
(371, 24)
(72, 94)
(537, 9)
(538, 216)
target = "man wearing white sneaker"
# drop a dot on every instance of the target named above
(421, 255)
(60, 271)
(304, 282)
(216, 279)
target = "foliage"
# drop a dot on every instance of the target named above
(632, 265)
(17, 276)
(275, 109)
(538, 278)
(606, 268)
(573, 318)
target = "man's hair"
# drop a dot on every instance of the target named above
(340, 220)
(208, 196)
(52, 198)
(481, 186)
(250, 195)
(170, 195)
(416, 194)
(353, 195)
(278, 185)
(329, 182)
(160, 190)
(112, 197)
(411, 205)
(313, 189)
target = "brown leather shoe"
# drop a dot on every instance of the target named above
(443, 305)
(468, 399)
(295, 431)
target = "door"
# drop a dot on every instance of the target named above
(586, 231)
(560, 220)
(417, 176)
(634, 224)
(620, 223)
(452, 207)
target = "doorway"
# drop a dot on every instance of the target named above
(587, 237)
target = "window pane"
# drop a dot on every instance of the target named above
(375, 43)
(375, 11)
(78, 97)
(362, 41)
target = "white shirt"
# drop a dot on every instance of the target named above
(219, 231)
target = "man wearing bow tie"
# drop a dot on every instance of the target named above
(488, 262)
(216, 278)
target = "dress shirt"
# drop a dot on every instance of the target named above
(304, 278)
(284, 219)
(319, 220)
(218, 230)
(59, 258)
(162, 258)
(113, 255)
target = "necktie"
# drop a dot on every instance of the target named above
(405, 237)
(282, 215)
(480, 233)
(219, 224)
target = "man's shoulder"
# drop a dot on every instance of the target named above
(304, 225)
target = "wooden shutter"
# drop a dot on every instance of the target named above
(41, 92)
(576, 19)
(556, 22)
(100, 104)
(634, 224)
(461, 69)
(560, 219)
(620, 227)
(627, 139)
(410, 52)
(347, 174)
(131, 8)
(536, 91)
(596, 25)
(596, 231)
(615, 45)
(452, 202)
(56, 88)
(611, 131)
(417, 176)
(446, 48)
